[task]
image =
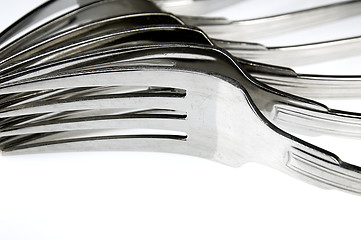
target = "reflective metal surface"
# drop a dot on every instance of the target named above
(105, 15)
(216, 115)
(122, 75)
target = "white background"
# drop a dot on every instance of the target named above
(162, 196)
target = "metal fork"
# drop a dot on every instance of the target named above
(279, 77)
(291, 112)
(285, 79)
(159, 94)
(108, 9)
(178, 106)
(215, 27)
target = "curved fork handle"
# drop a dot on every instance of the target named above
(320, 171)
(251, 29)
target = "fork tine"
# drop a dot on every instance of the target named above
(58, 94)
(170, 143)
(129, 100)
(13, 123)
(148, 121)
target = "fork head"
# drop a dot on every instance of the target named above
(187, 99)
(192, 114)
(176, 107)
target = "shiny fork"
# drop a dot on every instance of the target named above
(290, 112)
(279, 77)
(177, 105)
(283, 78)
(215, 27)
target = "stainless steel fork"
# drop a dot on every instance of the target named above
(290, 112)
(82, 19)
(176, 106)
(215, 27)
(83, 12)
(120, 84)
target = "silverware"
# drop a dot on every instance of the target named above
(67, 44)
(291, 112)
(146, 82)
(183, 108)
(221, 28)
(282, 78)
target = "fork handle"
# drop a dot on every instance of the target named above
(322, 171)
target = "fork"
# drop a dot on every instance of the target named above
(185, 96)
(180, 109)
(285, 79)
(291, 112)
(215, 27)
